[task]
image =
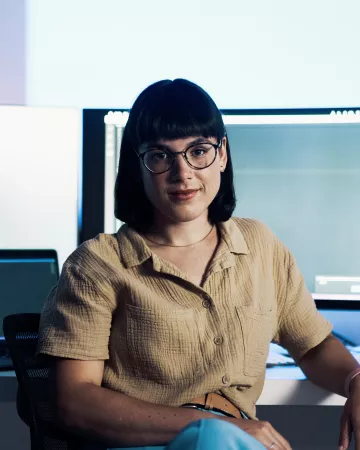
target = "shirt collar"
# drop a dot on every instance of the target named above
(233, 237)
(134, 251)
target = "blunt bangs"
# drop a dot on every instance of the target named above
(174, 109)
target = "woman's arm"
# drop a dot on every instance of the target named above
(328, 364)
(86, 408)
(90, 410)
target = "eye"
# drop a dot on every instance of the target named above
(157, 155)
(199, 150)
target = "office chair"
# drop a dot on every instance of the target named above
(33, 405)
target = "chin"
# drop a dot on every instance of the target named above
(183, 215)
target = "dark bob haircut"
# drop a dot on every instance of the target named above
(167, 110)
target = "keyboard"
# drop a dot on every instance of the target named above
(278, 356)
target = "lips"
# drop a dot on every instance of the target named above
(183, 195)
(184, 191)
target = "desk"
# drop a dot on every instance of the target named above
(305, 414)
(14, 434)
(289, 386)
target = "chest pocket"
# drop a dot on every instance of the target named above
(165, 346)
(257, 329)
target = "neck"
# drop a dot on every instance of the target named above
(181, 234)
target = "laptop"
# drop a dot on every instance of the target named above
(26, 278)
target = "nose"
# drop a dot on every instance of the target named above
(180, 169)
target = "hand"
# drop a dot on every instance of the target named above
(263, 432)
(350, 419)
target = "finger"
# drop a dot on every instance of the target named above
(345, 433)
(279, 442)
(265, 433)
(275, 439)
(261, 431)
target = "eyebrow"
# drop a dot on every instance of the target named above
(156, 145)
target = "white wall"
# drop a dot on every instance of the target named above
(247, 54)
(258, 54)
(39, 154)
(12, 52)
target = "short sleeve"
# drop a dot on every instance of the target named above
(300, 325)
(76, 318)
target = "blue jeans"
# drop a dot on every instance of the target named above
(209, 434)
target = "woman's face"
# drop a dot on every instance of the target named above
(166, 190)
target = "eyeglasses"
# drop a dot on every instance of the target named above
(198, 156)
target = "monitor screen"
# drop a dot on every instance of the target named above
(26, 278)
(345, 317)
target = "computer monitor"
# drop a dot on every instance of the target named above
(304, 162)
(26, 278)
(345, 317)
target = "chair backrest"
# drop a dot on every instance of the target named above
(34, 407)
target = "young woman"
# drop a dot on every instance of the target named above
(161, 332)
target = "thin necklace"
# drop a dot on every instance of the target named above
(188, 245)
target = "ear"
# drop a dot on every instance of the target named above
(223, 154)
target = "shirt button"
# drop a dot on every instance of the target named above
(206, 303)
(218, 340)
(225, 379)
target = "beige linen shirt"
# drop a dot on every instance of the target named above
(166, 340)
